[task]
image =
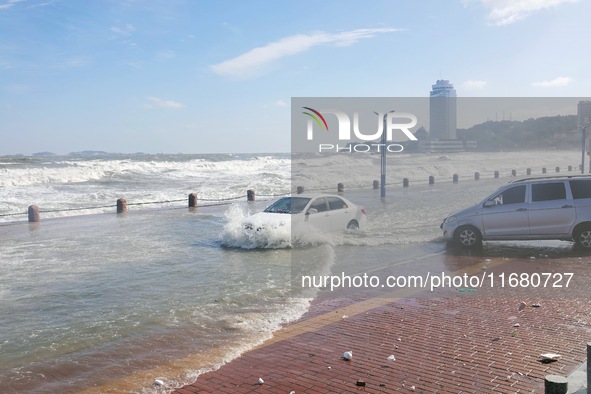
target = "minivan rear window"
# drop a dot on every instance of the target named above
(548, 191)
(581, 189)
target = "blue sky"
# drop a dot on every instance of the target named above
(217, 76)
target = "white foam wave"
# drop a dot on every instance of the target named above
(270, 236)
(355, 171)
(59, 184)
(63, 185)
(255, 328)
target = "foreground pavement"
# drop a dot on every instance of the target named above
(451, 340)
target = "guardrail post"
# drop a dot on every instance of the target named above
(496, 174)
(431, 180)
(250, 195)
(34, 214)
(557, 169)
(476, 176)
(121, 205)
(588, 368)
(193, 200)
(455, 178)
(300, 189)
(405, 182)
(513, 173)
(570, 168)
(544, 170)
(376, 185)
(528, 171)
(340, 188)
(555, 384)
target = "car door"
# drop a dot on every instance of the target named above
(581, 192)
(339, 213)
(505, 214)
(552, 211)
(318, 215)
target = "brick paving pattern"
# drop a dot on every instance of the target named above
(448, 342)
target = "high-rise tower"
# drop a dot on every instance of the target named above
(442, 111)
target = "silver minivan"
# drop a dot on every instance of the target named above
(527, 209)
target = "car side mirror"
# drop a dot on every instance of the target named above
(489, 203)
(311, 210)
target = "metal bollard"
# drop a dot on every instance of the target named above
(588, 368)
(555, 384)
(121, 205)
(34, 214)
(193, 200)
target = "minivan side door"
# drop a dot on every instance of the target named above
(551, 211)
(506, 213)
(581, 191)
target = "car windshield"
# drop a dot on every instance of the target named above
(288, 205)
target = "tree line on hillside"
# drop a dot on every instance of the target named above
(558, 132)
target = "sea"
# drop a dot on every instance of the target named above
(93, 299)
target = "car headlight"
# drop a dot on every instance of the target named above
(447, 220)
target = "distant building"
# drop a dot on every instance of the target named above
(584, 113)
(422, 134)
(442, 136)
(433, 146)
(442, 111)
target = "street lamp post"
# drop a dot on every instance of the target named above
(583, 143)
(383, 156)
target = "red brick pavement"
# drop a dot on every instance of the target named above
(449, 342)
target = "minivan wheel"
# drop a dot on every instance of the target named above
(583, 237)
(468, 237)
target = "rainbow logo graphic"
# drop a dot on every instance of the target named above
(317, 116)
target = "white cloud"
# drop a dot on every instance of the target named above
(504, 12)
(9, 3)
(251, 62)
(472, 84)
(158, 102)
(123, 30)
(165, 55)
(77, 61)
(556, 82)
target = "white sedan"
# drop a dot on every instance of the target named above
(325, 212)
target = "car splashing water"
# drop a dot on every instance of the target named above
(270, 235)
